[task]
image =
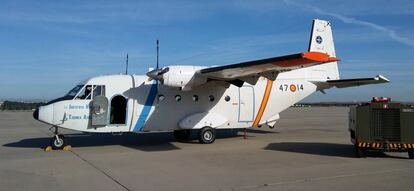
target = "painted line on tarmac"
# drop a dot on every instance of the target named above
(100, 170)
(97, 168)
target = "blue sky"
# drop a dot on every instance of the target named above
(46, 47)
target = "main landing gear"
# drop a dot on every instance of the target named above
(206, 135)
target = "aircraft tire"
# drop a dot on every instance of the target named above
(182, 135)
(58, 143)
(207, 135)
(411, 153)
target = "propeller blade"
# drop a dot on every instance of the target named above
(156, 74)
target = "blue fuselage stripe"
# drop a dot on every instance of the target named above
(147, 108)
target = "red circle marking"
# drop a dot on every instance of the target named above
(292, 88)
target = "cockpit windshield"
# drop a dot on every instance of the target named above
(72, 93)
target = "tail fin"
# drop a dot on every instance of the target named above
(321, 40)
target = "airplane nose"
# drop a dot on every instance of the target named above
(36, 114)
(44, 114)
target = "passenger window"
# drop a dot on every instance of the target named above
(161, 97)
(85, 93)
(211, 98)
(98, 90)
(195, 98)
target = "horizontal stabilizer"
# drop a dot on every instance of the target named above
(344, 83)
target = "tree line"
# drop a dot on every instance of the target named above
(14, 105)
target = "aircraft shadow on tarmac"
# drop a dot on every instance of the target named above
(162, 141)
(324, 149)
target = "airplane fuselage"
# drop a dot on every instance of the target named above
(149, 106)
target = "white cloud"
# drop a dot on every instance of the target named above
(391, 33)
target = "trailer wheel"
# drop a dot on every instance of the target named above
(360, 153)
(207, 135)
(182, 135)
(411, 153)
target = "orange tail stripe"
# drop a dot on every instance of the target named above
(263, 105)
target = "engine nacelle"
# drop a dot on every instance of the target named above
(183, 77)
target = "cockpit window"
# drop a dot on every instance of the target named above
(91, 91)
(74, 91)
(98, 90)
(85, 93)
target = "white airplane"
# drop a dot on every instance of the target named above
(197, 98)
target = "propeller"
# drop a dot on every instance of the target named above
(156, 74)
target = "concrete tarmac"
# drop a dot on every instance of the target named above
(309, 150)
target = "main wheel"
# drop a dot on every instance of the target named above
(207, 135)
(58, 142)
(182, 135)
(411, 153)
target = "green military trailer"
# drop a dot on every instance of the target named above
(382, 125)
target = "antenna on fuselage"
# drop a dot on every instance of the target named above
(126, 63)
(157, 73)
(158, 51)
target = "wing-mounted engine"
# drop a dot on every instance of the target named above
(184, 77)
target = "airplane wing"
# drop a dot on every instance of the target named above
(320, 55)
(344, 83)
(250, 71)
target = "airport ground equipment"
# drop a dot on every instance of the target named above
(382, 125)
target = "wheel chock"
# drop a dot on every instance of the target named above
(48, 149)
(67, 148)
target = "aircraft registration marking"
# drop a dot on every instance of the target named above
(291, 87)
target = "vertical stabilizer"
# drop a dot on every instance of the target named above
(321, 40)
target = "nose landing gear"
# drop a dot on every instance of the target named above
(57, 142)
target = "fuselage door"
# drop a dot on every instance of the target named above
(99, 111)
(246, 103)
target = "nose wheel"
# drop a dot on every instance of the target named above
(58, 141)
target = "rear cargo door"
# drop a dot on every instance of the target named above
(246, 104)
